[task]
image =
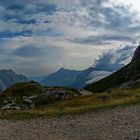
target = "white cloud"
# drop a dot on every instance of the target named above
(74, 35)
(134, 4)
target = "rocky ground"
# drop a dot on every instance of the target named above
(111, 124)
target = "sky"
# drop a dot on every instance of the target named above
(37, 37)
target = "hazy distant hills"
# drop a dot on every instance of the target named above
(9, 77)
(127, 77)
(74, 79)
(88, 76)
(106, 65)
(81, 79)
(62, 77)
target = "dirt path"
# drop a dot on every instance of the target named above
(115, 124)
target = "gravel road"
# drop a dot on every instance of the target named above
(111, 124)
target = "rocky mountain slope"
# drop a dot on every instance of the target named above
(73, 78)
(88, 76)
(9, 77)
(126, 77)
(62, 77)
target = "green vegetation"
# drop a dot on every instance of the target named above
(32, 95)
(110, 99)
(17, 91)
(24, 89)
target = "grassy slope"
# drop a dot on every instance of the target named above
(23, 89)
(80, 105)
(129, 72)
(19, 90)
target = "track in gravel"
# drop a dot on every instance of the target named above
(111, 124)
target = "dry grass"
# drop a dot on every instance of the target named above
(78, 105)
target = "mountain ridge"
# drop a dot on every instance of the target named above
(9, 78)
(63, 77)
(73, 78)
(87, 75)
(130, 72)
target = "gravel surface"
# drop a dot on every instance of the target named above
(111, 124)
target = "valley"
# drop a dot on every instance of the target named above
(69, 70)
(101, 110)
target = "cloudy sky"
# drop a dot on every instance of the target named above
(38, 37)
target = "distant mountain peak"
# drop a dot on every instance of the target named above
(63, 77)
(9, 77)
(91, 69)
(62, 69)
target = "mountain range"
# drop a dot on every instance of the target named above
(62, 77)
(106, 64)
(122, 88)
(88, 76)
(73, 78)
(9, 78)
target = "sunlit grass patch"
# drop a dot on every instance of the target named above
(79, 105)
